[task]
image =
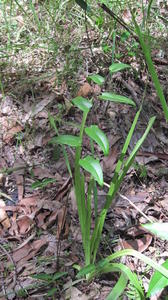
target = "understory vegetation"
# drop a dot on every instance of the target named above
(84, 151)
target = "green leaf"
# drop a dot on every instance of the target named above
(82, 103)
(44, 277)
(159, 229)
(151, 67)
(158, 281)
(69, 140)
(42, 183)
(116, 98)
(140, 256)
(118, 67)
(52, 123)
(52, 292)
(97, 79)
(58, 275)
(86, 270)
(82, 4)
(128, 273)
(118, 289)
(92, 166)
(99, 137)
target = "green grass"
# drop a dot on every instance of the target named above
(45, 38)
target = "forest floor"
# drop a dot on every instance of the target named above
(39, 227)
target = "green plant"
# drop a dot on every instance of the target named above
(89, 163)
(158, 281)
(51, 281)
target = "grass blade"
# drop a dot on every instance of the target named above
(119, 288)
(152, 69)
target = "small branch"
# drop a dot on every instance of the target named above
(131, 203)
(13, 263)
(119, 20)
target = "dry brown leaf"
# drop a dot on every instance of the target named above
(85, 90)
(4, 220)
(41, 219)
(8, 136)
(28, 251)
(42, 173)
(64, 189)
(140, 244)
(63, 226)
(74, 294)
(29, 203)
(24, 224)
(110, 160)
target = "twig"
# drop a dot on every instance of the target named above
(119, 20)
(7, 197)
(138, 209)
(132, 204)
(13, 263)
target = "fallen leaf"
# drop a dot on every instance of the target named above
(85, 90)
(4, 220)
(41, 219)
(137, 242)
(42, 104)
(8, 136)
(74, 294)
(6, 105)
(109, 162)
(29, 251)
(24, 224)
(42, 173)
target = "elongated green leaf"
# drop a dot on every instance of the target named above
(119, 288)
(114, 184)
(82, 4)
(82, 103)
(58, 275)
(97, 233)
(158, 281)
(131, 158)
(42, 183)
(118, 67)
(99, 137)
(116, 98)
(92, 166)
(97, 79)
(69, 140)
(159, 229)
(127, 272)
(52, 123)
(140, 256)
(44, 277)
(151, 67)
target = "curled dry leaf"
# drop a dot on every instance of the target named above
(4, 220)
(24, 224)
(139, 244)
